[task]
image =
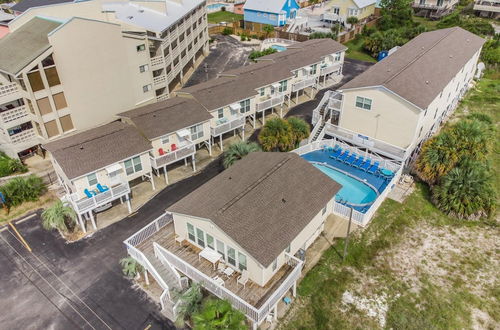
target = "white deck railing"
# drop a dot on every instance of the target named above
(227, 127)
(9, 89)
(157, 61)
(86, 204)
(271, 102)
(14, 114)
(303, 84)
(329, 69)
(174, 156)
(23, 136)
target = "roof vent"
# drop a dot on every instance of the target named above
(427, 82)
(468, 40)
(81, 147)
(451, 56)
(283, 200)
(141, 10)
(229, 178)
(130, 17)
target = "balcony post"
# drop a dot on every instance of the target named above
(221, 147)
(80, 220)
(93, 220)
(294, 289)
(194, 163)
(152, 180)
(210, 146)
(128, 204)
(166, 176)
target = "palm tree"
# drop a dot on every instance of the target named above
(237, 151)
(466, 191)
(59, 216)
(189, 304)
(473, 138)
(130, 267)
(276, 135)
(300, 130)
(218, 314)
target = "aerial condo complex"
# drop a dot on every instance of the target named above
(248, 165)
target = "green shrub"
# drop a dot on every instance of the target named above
(472, 24)
(223, 9)
(227, 31)
(22, 189)
(256, 54)
(491, 51)
(254, 36)
(323, 35)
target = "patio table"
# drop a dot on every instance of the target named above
(386, 172)
(228, 271)
(218, 280)
(210, 255)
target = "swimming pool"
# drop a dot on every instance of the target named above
(353, 191)
(279, 48)
(215, 6)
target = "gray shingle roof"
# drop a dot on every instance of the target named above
(157, 119)
(97, 148)
(239, 84)
(27, 4)
(421, 69)
(262, 202)
(21, 47)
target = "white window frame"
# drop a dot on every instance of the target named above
(220, 113)
(165, 139)
(136, 165)
(189, 233)
(92, 177)
(245, 106)
(242, 266)
(207, 236)
(283, 86)
(262, 91)
(146, 88)
(196, 132)
(143, 68)
(140, 48)
(363, 103)
(234, 258)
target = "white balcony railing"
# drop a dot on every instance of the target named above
(87, 204)
(228, 126)
(271, 102)
(14, 114)
(329, 69)
(6, 90)
(159, 79)
(162, 97)
(157, 62)
(23, 136)
(493, 7)
(174, 156)
(303, 84)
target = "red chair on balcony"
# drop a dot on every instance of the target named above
(161, 151)
(174, 147)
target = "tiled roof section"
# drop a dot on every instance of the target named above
(97, 148)
(27, 4)
(21, 47)
(262, 202)
(238, 84)
(157, 119)
(421, 69)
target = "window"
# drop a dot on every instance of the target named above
(336, 10)
(323, 211)
(196, 132)
(242, 261)
(231, 256)
(264, 15)
(92, 179)
(141, 47)
(363, 103)
(210, 242)
(435, 113)
(272, 17)
(52, 76)
(313, 69)
(421, 129)
(60, 101)
(146, 88)
(288, 249)
(143, 68)
(51, 128)
(66, 123)
(337, 56)
(133, 165)
(275, 264)
(201, 237)
(220, 113)
(283, 86)
(220, 249)
(296, 74)
(44, 106)
(245, 106)
(262, 91)
(35, 80)
(191, 232)
(165, 139)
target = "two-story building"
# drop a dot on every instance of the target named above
(340, 10)
(73, 65)
(96, 166)
(487, 8)
(241, 234)
(174, 127)
(395, 105)
(269, 12)
(433, 9)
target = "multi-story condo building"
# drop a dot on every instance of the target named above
(487, 8)
(395, 105)
(60, 72)
(434, 9)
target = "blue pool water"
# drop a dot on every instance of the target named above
(215, 6)
(353, 191)
(279, 48)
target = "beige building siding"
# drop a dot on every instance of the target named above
(391, 119)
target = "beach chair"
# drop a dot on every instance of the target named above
(359, 162)
(89, 193)
(102, 188)
(351, 159)
(336, 153)
(373, 168)
(366, 165)
(343, 156)
(243, 278)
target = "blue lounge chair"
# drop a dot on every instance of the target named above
(102, 188)
(366, 165)
(351, 159)
(359, 162)
(336, 153)
(324, 148)
(89, 193)
(374, 168)
(343, 156)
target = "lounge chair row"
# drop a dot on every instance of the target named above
(354, 160)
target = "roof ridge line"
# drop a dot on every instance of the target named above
(419, 56)
(253, 185)
(88, 140)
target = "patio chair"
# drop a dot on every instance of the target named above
(374, 168)
(336, 153)
(173, 147)
(343, 156)
(359, 162)
(89, 193)
(221, 267)
(351, 159)
(366, 165)
(161, 152)
(102, 188)
(243, 278)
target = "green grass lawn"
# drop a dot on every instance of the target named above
(441, 289)
(429, 25)
(223, 16)
(355, 51)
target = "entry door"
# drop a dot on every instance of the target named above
(114, 178)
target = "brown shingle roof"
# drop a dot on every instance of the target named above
(421, 69)
(242, 83)
(97, 148)
(157, 119)
(262, 202)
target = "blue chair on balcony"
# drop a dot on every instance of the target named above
(336, 153)
(102, 188)
(89, 193)
(358, 162)
(366, 165)
(374, 168)
(343, 156)
(351, 159)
